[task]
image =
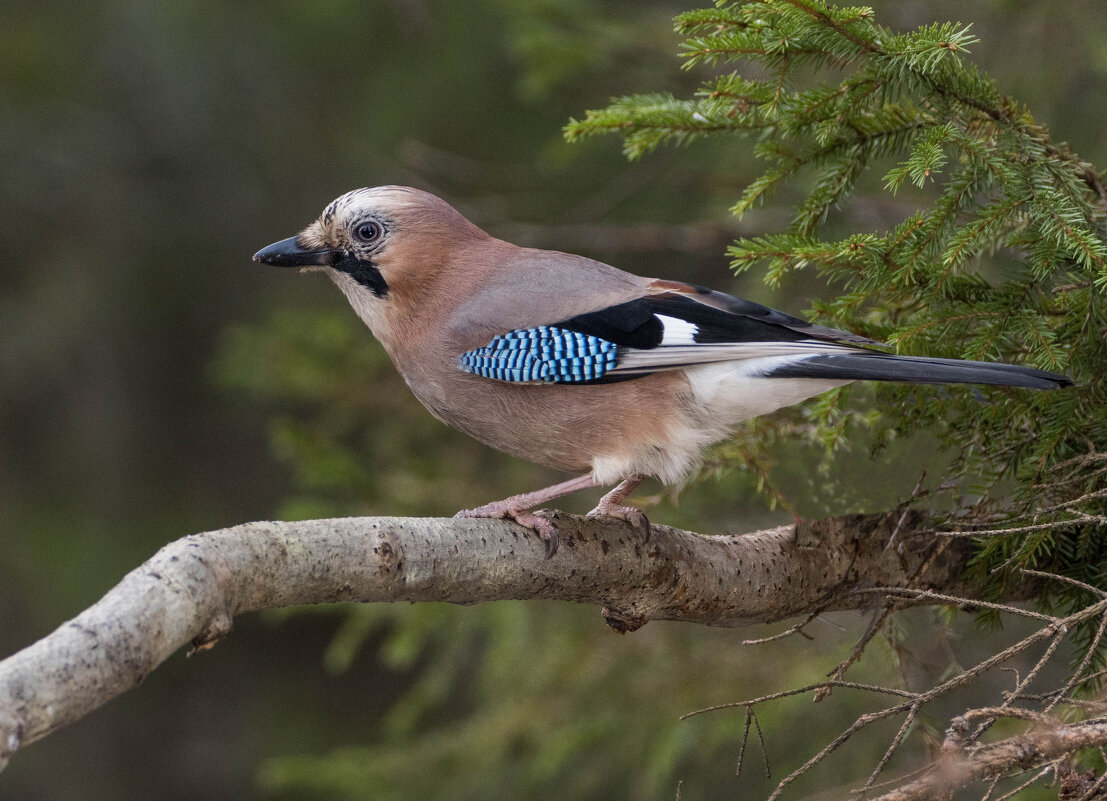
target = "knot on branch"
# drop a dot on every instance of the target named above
(623, 622)
(218, 627)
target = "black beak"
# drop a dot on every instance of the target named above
(288, 253)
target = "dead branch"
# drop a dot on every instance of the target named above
(191, 589)
(939, 779)
(957, 767)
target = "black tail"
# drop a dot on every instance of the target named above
(873, 366)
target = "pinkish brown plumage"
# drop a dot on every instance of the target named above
(570, 362)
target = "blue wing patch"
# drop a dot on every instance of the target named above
(545, 354)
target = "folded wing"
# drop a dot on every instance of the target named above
(679, 326)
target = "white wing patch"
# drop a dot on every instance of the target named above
(677, 331)
(751, 358)
(729, 393)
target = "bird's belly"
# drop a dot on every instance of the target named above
(643, 426)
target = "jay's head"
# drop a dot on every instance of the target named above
(374, 240)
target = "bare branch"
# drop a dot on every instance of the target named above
(788, 632)
(959, 738)
(957, 768)
(191, 589)
(852, 685)
(908, 719)
(953, 600)
(1036, 777)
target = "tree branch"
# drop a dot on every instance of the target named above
(192, 588)
(956, 768)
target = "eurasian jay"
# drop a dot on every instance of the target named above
(575, 364)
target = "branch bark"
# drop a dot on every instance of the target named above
(192, 588)
(956, 768)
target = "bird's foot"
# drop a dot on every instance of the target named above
(501, 510)
(632, 514)
(611, 505)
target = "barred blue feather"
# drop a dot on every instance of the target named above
(545, 354)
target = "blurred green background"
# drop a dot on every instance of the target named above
(155, 383)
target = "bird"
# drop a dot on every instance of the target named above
(573, 363)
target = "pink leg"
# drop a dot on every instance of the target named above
(611, 505)
(515, 508)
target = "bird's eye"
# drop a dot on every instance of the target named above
(368, 232)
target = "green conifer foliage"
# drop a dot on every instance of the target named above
(1004, 259)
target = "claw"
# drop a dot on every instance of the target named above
(546, 530)
(611, 505)
(631, 514)
(540, 525)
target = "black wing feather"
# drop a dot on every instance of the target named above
(747, 308)
(634, 324)
(872, 366)
(629, 325)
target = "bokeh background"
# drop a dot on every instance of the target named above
(154, 382)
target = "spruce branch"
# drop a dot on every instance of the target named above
(1005, 259)
(1005, 192)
